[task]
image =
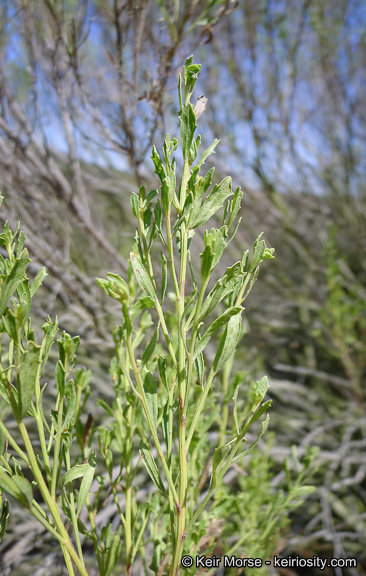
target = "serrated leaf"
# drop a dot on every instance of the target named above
(213, 202)
(142, 277)
(228, 342)
(28, 377)
(12, 280)
(218, 323)
(151, 466)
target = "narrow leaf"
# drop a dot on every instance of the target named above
(248, 451)
(150, 348)
(86, 482)
(4, 517)
(27, 377)
(233, 312)
(213, 203)
(142, 277)
(16, 486)
(141, 305)
(187, 128)
(12, 281)
(164, 281)
(210, 150)
(151, 393)
(228, 342)
(151, 466)
(37, 282)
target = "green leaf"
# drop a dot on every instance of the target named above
(249, 450)
(235, 205)
(150, 348)
(235, 413)
(210, 150)
(28, 377)
(37, 282)
(135, 205)
(141, 305)
(70, 395)
(126, 318)
(114, 552)
(228, 342)
(24, 297)
(162, 371)
(16, 486)
(207, 258)
(164, 276)
(261, 410)
(187, 127)
(12, 280)
(142, 277)
(159, 166)
(218, 323)
(168, 190)
(50, 330)
(200, 368)
(259, 392)
(213, 203)
(76, 471)
(220, 454)
(151, 466)
(190, 73)
(86, 482)
(151, 393)
(60, 378)
(4, 517)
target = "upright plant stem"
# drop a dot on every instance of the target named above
(183, 464)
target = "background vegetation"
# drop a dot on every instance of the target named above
(86, 87)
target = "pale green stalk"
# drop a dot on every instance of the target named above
(183, 454)
(72, 512)
(157, 303)
(141, 390)
(50, 502)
